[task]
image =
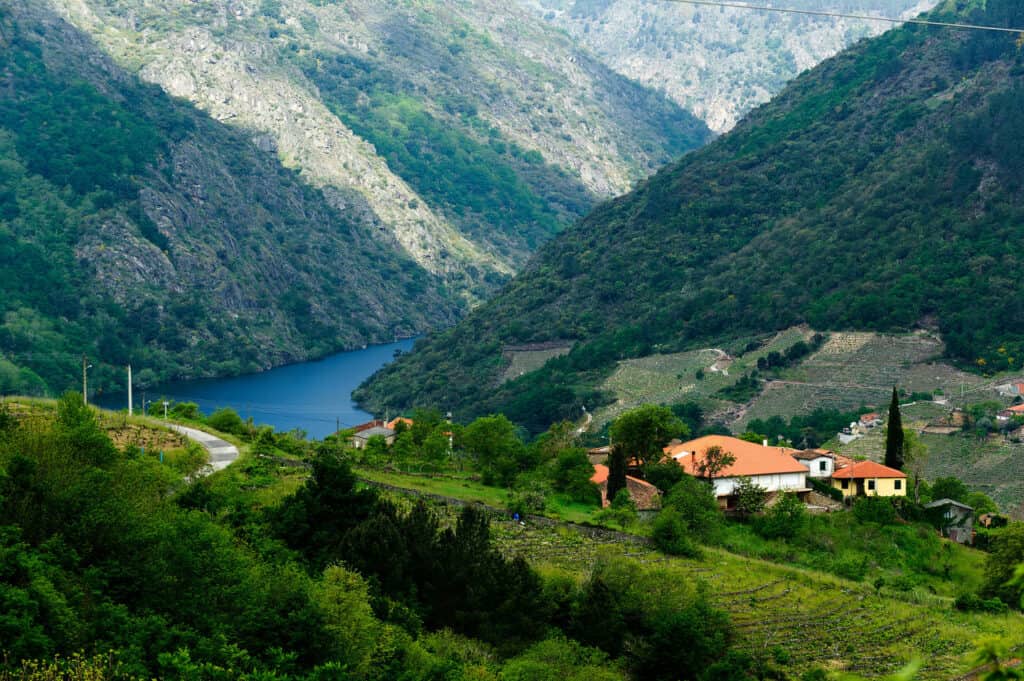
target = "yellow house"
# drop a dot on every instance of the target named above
(869, 479)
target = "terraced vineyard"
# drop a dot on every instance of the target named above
(993, 466)
(669, 379)
(819, 620)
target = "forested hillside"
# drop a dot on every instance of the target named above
(881, 191)
(133, 227)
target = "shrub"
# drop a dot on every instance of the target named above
(785, 520)
(874, 510)
(226, 420)
(671, 534)
(695, 500)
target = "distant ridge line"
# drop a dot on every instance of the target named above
(841, 15)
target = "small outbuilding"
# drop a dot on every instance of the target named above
(956, 520)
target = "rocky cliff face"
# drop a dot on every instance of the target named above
(494, 74)
(713, 61)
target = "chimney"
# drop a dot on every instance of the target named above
(764, 443)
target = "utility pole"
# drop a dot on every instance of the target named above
(130, 390)
(85, 380)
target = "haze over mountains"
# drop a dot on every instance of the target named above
(880, 191)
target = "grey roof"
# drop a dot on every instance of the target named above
(811, 454)
(948, 502)
(376, 430)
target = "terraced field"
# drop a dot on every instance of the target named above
(821, 621)
(524, 361)
(669, 379)
(992, 466)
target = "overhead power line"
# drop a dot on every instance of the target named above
(843, 15)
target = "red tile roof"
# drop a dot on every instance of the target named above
(394, 422)
(751, 458)
(867, 469)
(1017, 409)
(644, 494)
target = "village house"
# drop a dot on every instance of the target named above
(645, 496)
(820, 462)
(957, 521)
(772, 468)
(360, 439)
(868, 478)
(870, 420)
(1009, 413)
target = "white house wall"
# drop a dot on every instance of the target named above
(773, 483)
(814, 467)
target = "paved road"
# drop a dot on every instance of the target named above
(222, 454)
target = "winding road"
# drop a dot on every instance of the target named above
(222, 454)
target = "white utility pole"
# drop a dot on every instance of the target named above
(129, 390)
(85, 380)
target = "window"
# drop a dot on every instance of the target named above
(823, 466)
(846, 484)
(871, 485)
(897, 484)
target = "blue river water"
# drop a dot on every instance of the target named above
(313, 396)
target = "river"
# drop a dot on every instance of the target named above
(312, 396)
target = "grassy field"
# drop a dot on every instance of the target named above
(465, 488)
(816, 619)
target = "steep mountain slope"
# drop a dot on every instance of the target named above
(134, 227)
(880, 191)
(716, 62)
(472, 131)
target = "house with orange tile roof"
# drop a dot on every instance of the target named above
(1009, 413)
(772, 468)
(393, 423)
(646, 496)
(868, 478)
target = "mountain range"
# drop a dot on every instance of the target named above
(215, 187)
(879, 191)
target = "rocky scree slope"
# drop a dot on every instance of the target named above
(716, 62)
(880, 191)
(472, 132)
(133, 227)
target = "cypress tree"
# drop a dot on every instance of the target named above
(894, 434)
(616, 471)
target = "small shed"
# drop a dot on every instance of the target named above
(956, 520)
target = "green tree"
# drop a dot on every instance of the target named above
(950, 488)
(785, 520)
(643, 432)
(572, 474)
(714, 461)
(616, 472)
(1006, 554)
(915, 456)
(671, 534)
(499, 453)
(894, 434)
(696, 503)
(750, 497)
